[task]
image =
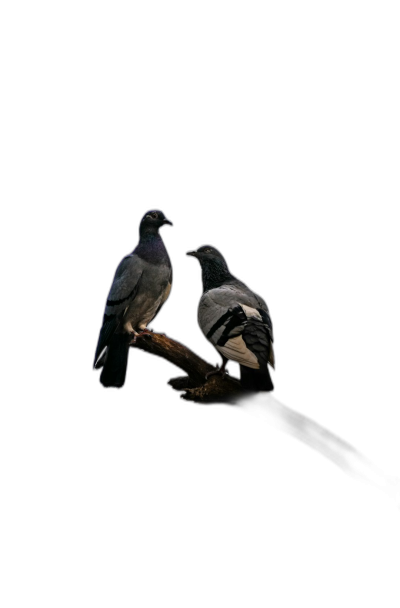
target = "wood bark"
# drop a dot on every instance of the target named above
(218, 388)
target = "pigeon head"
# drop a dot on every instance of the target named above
(152, 221)
(215, 271)
(206, 254)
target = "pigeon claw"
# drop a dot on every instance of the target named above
(218, 371)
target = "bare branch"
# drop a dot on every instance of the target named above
(226, 390)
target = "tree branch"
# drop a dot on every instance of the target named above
(219, 390)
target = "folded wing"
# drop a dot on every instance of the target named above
(239, 325)
(123, 291)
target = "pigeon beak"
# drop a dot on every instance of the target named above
(193, 253)
(165, 221)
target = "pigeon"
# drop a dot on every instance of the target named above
(141, 285)
(236, 321)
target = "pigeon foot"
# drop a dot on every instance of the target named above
(219, 370)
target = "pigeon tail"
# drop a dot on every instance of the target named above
(110, 323)
(100, 361)
(255, 379)
(116, 361)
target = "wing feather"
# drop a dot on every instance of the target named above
(238, 324)
(123, 291)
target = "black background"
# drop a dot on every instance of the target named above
(273, 172)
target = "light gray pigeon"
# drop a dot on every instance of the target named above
(141, 285)
(235, 320)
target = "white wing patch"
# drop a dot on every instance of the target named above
(251, 312)
(236, 350)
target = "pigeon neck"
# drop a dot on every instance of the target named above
(215, 274)
(147, 232)
(151, 247)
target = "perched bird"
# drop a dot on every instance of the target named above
(235, 320)
(141, 285)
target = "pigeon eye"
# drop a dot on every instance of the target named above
(207, 250)
(154, 214)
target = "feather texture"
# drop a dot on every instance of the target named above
(141, 285)
(235, 320)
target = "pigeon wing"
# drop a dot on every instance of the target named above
(237, 323)
(123, 290)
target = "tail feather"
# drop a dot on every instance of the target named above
(110, 324)
(256, 379)
(100, 361)
(116, 361)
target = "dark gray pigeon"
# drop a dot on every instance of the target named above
(141, 285)
(235, 320)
